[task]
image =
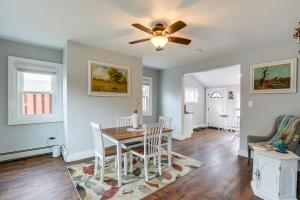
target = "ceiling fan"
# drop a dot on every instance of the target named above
(161, 35)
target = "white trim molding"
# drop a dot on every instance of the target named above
(178, 137)
(78, 156)
(148, 80)
(16, 65)
(243, 152)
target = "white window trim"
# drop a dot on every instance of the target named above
(14, 117)
(149, 80)
(191, 88)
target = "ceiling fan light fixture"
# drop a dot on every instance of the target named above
(159, 42)
(161, 35)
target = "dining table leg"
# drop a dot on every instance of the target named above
(170, 150)
(119, 159)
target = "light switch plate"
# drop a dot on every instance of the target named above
(250, 104)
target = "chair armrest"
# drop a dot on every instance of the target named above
(255, 139)
(293, 144)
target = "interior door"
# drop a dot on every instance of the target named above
(215, 105)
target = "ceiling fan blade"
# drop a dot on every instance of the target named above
(138, 41)
(179, 40)
(141, 27)
(175, 27)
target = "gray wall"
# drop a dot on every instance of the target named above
(80, 108)
(154, 74)
(198, 109)
(267, 107)
(21, 137)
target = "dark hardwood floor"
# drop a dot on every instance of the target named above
(224, 175)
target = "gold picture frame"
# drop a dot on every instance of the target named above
(106, 79)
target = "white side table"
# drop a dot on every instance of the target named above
(274, 175)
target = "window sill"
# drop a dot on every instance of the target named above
(25, 121)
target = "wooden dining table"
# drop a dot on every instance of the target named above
(123, 135)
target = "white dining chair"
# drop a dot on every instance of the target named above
(101, 153)
(151, 147)
(126, 121)
(166, 123)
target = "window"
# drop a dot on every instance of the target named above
(147, 96)
(190, 95)
(216, 95)
(34, 94)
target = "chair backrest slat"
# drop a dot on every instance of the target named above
(152, 138)
(124, 121)
(98, 140)
(166, 121)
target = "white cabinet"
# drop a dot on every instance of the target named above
(274, 175)
(188, 125)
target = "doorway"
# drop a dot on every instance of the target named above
(215, 105)
(211, 99)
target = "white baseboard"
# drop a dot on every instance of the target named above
(200, 126)
(178, 137)
(243, 152)
(78, 156)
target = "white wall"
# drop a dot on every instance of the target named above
(81, 108)
(258, 120)
(198, 109)
(22, 137)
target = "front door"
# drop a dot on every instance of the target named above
(215, 105)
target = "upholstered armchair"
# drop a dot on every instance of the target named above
(292, 139)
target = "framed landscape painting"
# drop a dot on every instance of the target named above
(274, 77)
(108, 79)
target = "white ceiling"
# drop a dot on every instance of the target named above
(217, 27)
(227, 76)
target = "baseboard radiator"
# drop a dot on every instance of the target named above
(19, 154)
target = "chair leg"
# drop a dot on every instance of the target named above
(154, 160)
(146, 169)
(102, 171)
(131, 162)
(96, 165)
(159, 164)
(249, 155)
(125, 163)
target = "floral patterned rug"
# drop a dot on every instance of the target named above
(134, 185)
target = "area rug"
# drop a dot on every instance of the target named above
(134, 185)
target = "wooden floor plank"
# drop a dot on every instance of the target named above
(224, 175)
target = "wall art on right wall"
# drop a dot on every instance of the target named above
(274, 77)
